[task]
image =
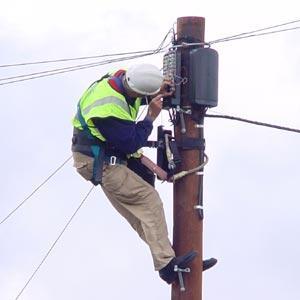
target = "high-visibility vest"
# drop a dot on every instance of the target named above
(100, 100)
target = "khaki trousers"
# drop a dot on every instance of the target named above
(137, 201)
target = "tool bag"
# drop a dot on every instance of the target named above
(135, 165)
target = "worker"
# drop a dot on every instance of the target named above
(107, 136)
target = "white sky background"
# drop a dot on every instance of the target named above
(251, 183)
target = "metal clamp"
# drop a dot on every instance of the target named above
(199, 207)
(200, 173)
(184, 109)
(112, 160)
(180, 276)
(182, 122)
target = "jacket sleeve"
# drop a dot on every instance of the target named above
(126, 136)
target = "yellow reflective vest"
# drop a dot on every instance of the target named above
(100, 100)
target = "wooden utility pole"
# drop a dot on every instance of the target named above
(188, 214)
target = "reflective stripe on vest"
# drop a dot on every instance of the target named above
(107, 100)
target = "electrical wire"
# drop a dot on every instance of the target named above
(35, 190)
(143, 110)
(30, 76)
(253, 122)
(238, 37)
(161, 45)
(54, 243)
(74, 59)
(68, 69)
(50, 71)
(255, 35)
(161, 48)
(252, 33)
(243, 35)
(194, 170)
(154, 51)
(77, 66)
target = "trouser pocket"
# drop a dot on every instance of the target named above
(84, 165)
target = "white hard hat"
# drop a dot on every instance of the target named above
(144, 79)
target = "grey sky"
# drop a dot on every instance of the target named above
(251, 182)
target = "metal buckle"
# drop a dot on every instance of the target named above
(112, 160)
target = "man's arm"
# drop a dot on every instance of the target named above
(126, 136)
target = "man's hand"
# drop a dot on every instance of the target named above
(167, 88)
(155, 107)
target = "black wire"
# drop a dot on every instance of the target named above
(35, 190)
(253, 122)
(54, 243)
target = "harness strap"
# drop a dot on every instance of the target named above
(90, 143)
(96, 149)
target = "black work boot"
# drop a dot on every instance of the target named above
(167, 273)
(209, 263)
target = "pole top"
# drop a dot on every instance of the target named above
(190, 19)
(191, 27)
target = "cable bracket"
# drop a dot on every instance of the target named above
(184, 109)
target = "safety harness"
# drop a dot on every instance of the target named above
(83, 141)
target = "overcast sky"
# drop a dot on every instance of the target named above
(251, 194)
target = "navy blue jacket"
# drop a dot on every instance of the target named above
(123, 137)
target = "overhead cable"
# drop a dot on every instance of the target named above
(243, 35)
(254, 32)
(35, 190)
(161, 45)
(252, 122)
(254, 35)
(76, 58)
(54, 243)
(24, 77)
(47, 73)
